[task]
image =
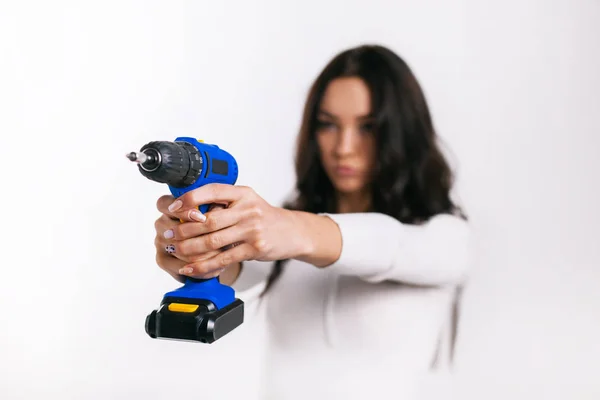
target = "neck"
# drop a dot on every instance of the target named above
(353, 202)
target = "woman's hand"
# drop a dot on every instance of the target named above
(168, 260)
(252, 228)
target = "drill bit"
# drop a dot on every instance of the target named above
(138, 157)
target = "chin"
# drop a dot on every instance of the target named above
(349, 186)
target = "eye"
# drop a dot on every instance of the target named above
(325, 125)
(367, 128)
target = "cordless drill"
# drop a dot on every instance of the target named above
(202, 310)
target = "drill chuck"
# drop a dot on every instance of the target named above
(178, 164)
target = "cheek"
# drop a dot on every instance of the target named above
(369, 151)
(325, 144)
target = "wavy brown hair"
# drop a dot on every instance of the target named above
(412, 179)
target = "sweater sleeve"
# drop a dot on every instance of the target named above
(252, 277)
(377, 247)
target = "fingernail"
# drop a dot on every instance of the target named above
(170, 248)
(169, 234)
(186, 270)
(197, 216)
(176, 205)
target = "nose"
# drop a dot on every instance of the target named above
(346, 142)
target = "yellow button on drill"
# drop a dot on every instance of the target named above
(201, 141)
(181, 307)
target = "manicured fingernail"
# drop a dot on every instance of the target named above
(197, 216)
(169, 234)
(176, 205)
(170, 248)
(186, 270)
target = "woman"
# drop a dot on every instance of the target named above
(362, 266)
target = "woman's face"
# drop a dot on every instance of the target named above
(345, 134)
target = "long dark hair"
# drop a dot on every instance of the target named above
(412, 179)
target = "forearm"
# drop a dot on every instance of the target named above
(377, 247)
(319, 238)
(314, 239)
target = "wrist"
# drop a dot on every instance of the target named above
(298, 237)
(230, 274)
(318, 238)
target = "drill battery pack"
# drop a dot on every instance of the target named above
(195, 320)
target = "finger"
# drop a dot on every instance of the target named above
(216, 264)
(169, 249)
(195, 214)
(162, 204)
(208, 194)
(172, 263)
(166, 249)
(210, 242)
(191, 215)
(161, 226)
(164, 223)
(186, 215)
(215, 221)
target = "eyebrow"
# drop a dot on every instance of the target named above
(329, 115)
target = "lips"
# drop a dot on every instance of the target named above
(343, 170)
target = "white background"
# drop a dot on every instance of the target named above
(513, 87)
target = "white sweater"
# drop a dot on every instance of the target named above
(369, 324)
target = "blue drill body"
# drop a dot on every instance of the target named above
(202, 309)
